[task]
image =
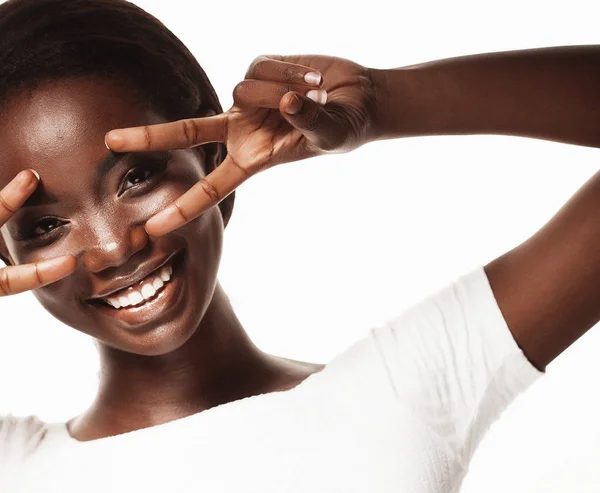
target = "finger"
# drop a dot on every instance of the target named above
(317, 124)
(202, 196)
(14, 195)
(180, 134)
(20, 278)
(272, 68)
(267, 94)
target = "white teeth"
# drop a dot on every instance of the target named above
(124, 301)
(114, 302)
(149, 289)
(165, 274)
(135, 297)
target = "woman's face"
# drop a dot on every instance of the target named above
(93, 203)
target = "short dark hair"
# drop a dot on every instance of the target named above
(41, 40)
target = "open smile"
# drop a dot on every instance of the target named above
(142, 291)
(149, 299)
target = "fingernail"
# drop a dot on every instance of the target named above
(294, 106)
(317, 95)
(313, 78)
(165, 221)
(115, 138)
(37, 175)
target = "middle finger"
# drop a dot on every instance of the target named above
(267, 94)
(272, 67)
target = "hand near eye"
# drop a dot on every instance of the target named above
(19, 278)
(279, 115)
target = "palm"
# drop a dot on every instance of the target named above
(258, 138)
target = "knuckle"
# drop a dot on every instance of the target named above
(38, 276)
(181, 212)
(189, 132)
(210, 190)
(311, 123)
(239, 90)
(252, 68)
(4, 204)
(260, 67)
(285, 89)
(147, 136)
(289, 74)
(4, 282)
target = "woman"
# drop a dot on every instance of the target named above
(186, 401)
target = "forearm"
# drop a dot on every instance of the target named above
(548, 93)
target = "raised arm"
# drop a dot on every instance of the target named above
(546, 93)
(548, 288)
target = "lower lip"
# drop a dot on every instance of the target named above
(138, 318)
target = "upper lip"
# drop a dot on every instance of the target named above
(123, 282)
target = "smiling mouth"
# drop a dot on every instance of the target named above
(144, 290)
(141, 292)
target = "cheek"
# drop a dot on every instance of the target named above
(60, 300)
(182, 174)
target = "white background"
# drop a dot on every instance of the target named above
(319, 251)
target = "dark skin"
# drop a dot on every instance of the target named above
(546, 287)
(189, 354)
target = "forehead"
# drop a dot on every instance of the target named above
(59, 127)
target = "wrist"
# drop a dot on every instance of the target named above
(383, 121)
(406, 103)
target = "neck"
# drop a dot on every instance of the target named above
(218, 364)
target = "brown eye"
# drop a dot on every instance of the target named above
(137, 176)
(45, 226)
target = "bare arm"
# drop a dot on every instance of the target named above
(548, 288)
(547, 93)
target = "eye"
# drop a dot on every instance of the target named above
(45, 226)
(137, 176)
(146, 174)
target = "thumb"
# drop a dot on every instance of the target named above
(312, 119)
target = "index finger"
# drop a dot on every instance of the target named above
(180, 134)
(19, 278)
(208, 192)
(16, 193)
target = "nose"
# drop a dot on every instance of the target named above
(114, 247)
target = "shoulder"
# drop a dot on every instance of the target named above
(19, 437)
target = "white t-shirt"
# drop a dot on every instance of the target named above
(401, 410)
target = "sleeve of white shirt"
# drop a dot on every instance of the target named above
(452, 360)
(19, 436)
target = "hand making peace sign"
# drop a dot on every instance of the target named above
(19, 278)
(287, 109)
